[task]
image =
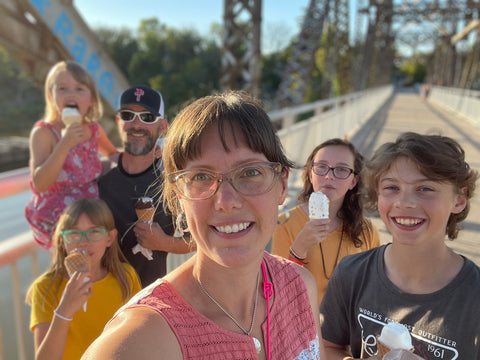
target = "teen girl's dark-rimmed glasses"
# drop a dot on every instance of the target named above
(340, 172)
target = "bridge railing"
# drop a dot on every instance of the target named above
(336, 117)
(300, 129)
(464, 102)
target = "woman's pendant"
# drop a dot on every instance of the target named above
(258, 346)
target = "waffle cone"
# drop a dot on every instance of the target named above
(75, 261)
(145, 215)
(383, 349)
(69, 120)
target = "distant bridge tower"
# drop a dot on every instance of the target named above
(469, 75)
(299, 69)
(326, 23)
(337, 71)
(451, 63)
(241, 60)
(378, 51)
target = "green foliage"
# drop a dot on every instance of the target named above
(414, 71)
(272, 72)
(120, 44)
(314, 89)
(179, 63)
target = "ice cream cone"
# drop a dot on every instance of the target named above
(382, 349)
(71, 115)
(145, 215)
(76, 260)
(401, 354)
(145, 209)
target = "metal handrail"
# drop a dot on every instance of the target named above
(463, 102)
(11, 251)
(14, 181)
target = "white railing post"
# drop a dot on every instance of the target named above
(17, 305)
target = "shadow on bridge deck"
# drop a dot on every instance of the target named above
(406, 111)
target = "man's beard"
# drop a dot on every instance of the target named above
(134, 149)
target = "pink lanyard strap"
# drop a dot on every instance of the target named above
(267, 293)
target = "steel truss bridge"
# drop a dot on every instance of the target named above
(359, 44)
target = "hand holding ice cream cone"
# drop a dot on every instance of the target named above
(318, 205)
(70, 115)
(394, 336)
(145, 211)
(77, 260)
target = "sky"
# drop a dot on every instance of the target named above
(280, 18)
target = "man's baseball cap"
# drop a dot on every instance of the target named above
(144, 96)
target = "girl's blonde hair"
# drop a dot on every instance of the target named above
(82, 76)
(99, 214)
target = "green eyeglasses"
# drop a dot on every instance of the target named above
(75, 236)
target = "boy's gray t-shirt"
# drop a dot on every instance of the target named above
(360, 299)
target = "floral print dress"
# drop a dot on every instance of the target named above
(76, 180)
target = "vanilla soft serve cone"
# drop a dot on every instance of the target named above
(393, 336)
(71, 115)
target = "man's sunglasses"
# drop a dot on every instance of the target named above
(144, 116)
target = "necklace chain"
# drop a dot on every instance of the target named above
(227, 313)
(336, 260)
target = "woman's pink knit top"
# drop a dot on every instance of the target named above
(292, 328)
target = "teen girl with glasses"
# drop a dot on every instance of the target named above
(333, 168)
(63, 328)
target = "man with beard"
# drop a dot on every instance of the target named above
(137, 172)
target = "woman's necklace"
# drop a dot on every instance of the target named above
(258, 345)
(336, 260)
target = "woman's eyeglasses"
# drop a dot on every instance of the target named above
(75, 236)
(340, 172)
(145, 116)
(250, 179)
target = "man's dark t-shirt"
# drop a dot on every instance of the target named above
(120, 191)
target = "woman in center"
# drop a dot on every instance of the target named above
(226, 176)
